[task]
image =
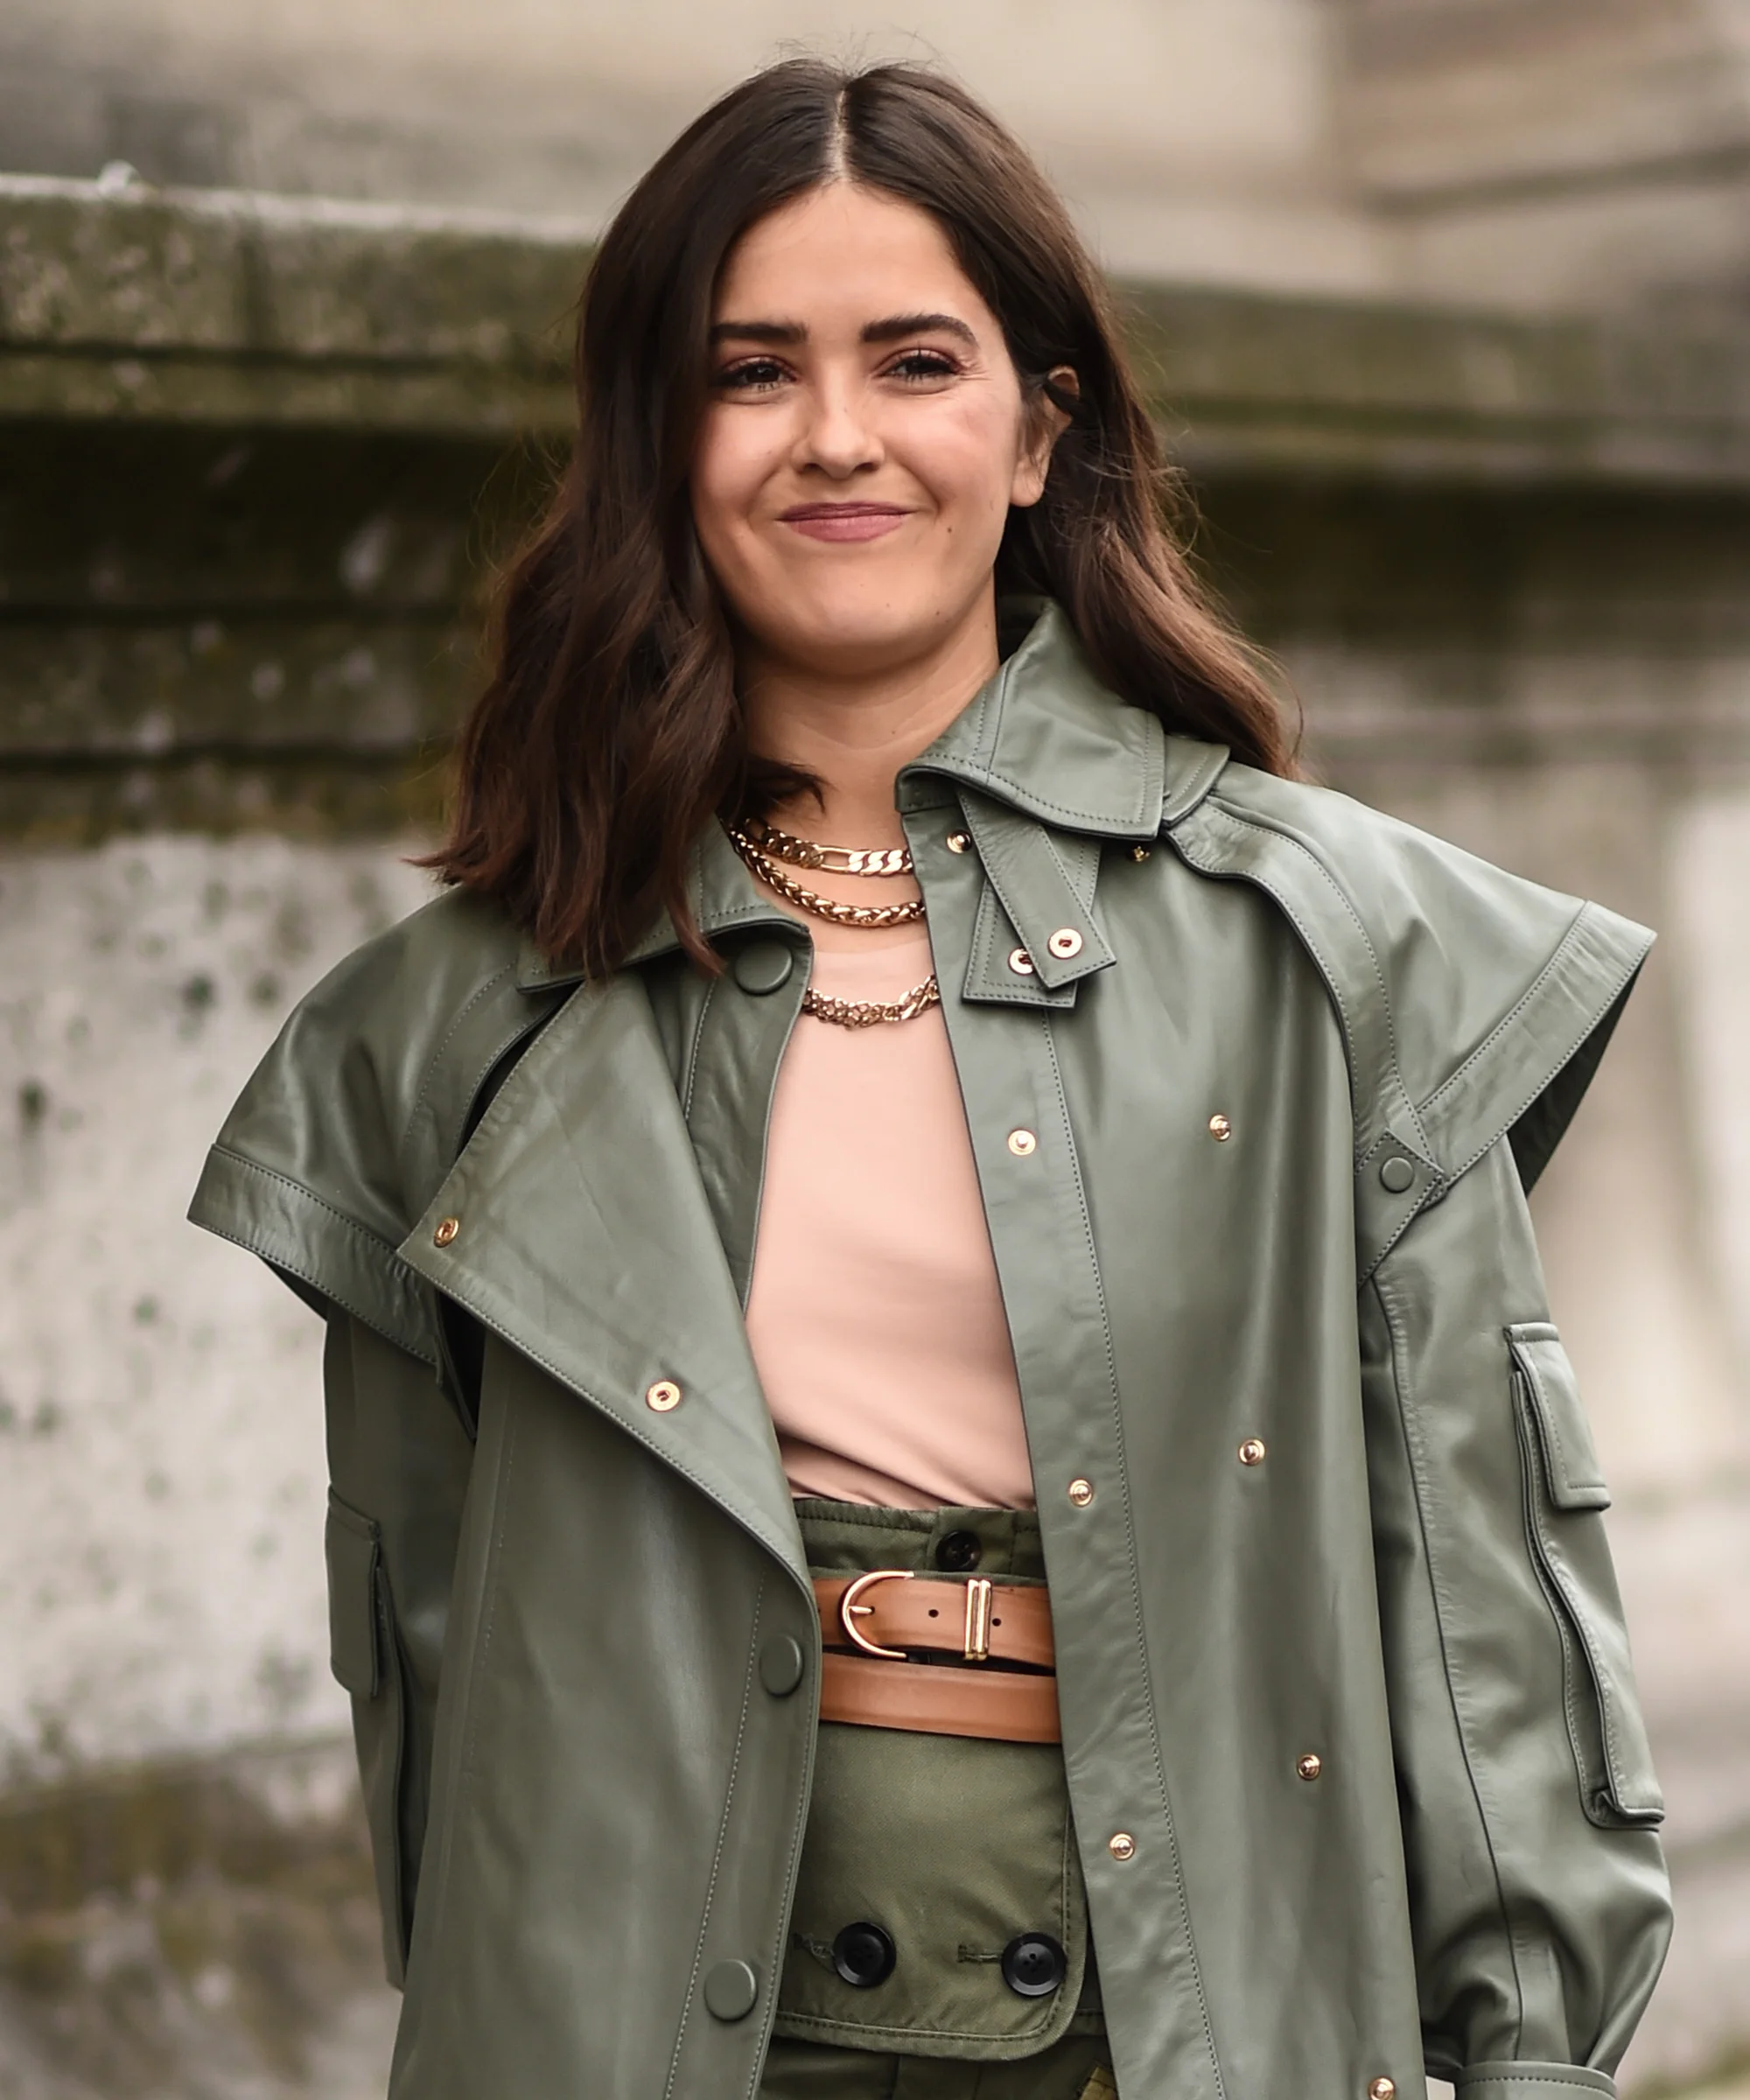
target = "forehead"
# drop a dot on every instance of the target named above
(845, 253)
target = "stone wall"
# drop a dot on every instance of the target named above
(254, 456)
(1536, 154)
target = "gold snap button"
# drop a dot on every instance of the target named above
(1310, 1766)
(1065, 943)
(1022, 1144)
(664, 1396)
(1220, 1129)
(959, 841)
(1252, 1451)
(1140, 852)
(1122, 1845)
(447, 1229)
(1020, 962)
(1382, 2089)
(1081, 1493)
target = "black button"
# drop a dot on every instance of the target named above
(1033, 1966)
(763, 966)
(780, 1665)
(959, 1553)
(865, 1956)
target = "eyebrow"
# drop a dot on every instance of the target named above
(893, 329)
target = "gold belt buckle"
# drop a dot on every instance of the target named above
(977, 1642)
(976, 1635)
(850, 1607)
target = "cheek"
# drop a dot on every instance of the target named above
(967, 457)
(728, 470)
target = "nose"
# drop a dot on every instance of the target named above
(836, 437)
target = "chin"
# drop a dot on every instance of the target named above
(851, 632)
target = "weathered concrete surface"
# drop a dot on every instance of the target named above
(1547, 154)
(1197, 140)
(1554, 151)
(163, 1477)
(193, 1933)
(185, 306)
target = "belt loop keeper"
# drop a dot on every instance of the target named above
(978, 1594)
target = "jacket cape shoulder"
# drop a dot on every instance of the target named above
(1475, 1005)
(355, 1115)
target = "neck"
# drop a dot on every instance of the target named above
(855, 732)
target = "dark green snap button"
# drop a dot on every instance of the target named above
(780, 1665)
(1397, 1174)
(762, 966)
(731, 1990)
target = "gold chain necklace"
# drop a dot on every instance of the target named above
(866, 1013)
(761, 848)
(811, 900)
(834, 860)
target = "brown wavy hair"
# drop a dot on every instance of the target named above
(610, 733)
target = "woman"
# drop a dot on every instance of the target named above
(935, 1362)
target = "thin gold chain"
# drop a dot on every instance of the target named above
(811, 900)
(867, 1013)
(811, 853)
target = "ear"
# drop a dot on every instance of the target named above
(1043, 423)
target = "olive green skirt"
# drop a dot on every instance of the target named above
(1075, 2068)
(939, 1943)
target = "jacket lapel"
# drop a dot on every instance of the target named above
(582, 1236)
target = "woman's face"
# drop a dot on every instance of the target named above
(865, 438)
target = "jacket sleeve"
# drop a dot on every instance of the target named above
(1538, 1893)
(1474, 1007)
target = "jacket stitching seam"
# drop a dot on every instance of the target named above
(1557, 961)
(697, 1036)
(1623, 979)
(717, 1849)
(1527, 2078)
(1147, 1671)
(265, 1250)
(1538, 2076)
(303, 1188)
(1383, 1288)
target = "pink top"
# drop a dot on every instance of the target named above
(875, 1316)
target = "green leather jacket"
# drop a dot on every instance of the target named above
(1288, 1090)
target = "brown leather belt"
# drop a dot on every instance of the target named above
(889, 1613)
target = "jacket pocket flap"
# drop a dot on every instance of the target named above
(354, 1551)
(1576, 1480)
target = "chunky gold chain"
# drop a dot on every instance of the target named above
(867, 1013)
(810, 853)
(811, 900)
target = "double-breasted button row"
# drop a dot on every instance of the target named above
(865, 1956)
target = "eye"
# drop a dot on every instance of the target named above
(751, 375)
(923, 365)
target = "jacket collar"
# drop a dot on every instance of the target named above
(1043, 737)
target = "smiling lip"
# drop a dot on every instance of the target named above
(845, 520)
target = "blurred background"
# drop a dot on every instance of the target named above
(1446, 308)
